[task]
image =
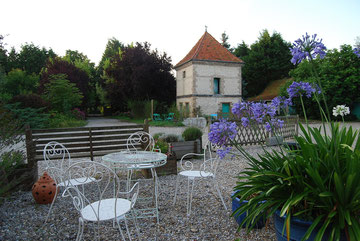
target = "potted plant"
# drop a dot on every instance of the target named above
(171, 165)
(318, 184)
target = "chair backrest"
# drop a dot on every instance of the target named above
(209, 166)
(56, 158)
(105, 185)
(208, 154)
(140, 140)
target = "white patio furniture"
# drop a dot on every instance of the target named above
(103, 204)
(57, 159)
(205, 170)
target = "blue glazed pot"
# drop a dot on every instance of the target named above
(236, 204)
(298, 229)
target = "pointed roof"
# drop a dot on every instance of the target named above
(208, 48)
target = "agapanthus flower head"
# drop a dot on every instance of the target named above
(273, 125)
(221, 131)
(307, 48)
(241, 109)
(281, 102)
(301, 88)
(223, 152)
(341, 110)
(357, 52)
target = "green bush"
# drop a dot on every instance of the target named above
(139, 108)
(62, 94)
(9, 162)
(192, 134)
(35, 118)
(162, 145)
(59, 120)
(171, 138)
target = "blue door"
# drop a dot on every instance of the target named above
(225, 110)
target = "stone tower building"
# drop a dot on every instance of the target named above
(208, 78)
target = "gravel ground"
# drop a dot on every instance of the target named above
(22, 219)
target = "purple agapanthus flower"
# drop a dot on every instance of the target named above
(297, 89)
(281, 102)
(241, 109)
(223, 152)
(221, 132)
(245, 121)
(307, 48)
(357, 52)
(273, 125)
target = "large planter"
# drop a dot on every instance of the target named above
(236, 204)
(183, 147)
(298, 228)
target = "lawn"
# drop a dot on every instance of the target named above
(151, 122)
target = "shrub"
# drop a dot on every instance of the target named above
(35, 118)
(192, 134)
(58, 120)
(158, 135)
(30, 101)
(162, 145)
(139, 109)
(62, 94)
(78, 114)
(171, 138)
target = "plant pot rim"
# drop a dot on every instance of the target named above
(238, 199)
(294, 219)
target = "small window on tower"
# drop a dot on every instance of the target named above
(216, 86)
(184, 74)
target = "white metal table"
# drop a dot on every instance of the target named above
(137, 160)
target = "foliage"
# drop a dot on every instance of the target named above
(113, 48)
(35, 118)
(139, 74)
(3, 55)
(31, 58)
(30, 101)
(9, 163)
(59, 120)
(140, 109)
(10, 128)
(162, 145)
(73, 74)
(169, 138)
(18, 82)
(268, 59)
(78, 114)
(224, 41)
(192, 134)
(173, 109)
(62, 94)
(242, 50)
(339, 76)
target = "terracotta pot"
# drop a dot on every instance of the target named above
(44, 189)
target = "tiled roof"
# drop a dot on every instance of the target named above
(208, 48)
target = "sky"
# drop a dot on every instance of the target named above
(171, 26)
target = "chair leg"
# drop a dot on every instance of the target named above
(189, 196)
(127, 227)
(176, 188)
(118, 224)
(156, 190)
(136, 223)
(51, 206)
(80, 229)
(216, 184)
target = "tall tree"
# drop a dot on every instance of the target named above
(242, 50)
(3, 54)
(224, 41)
(268, 60)
(140, 74)
(112, 49)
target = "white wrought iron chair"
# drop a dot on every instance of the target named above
(103, 204)
(204, 170)
(57, 159)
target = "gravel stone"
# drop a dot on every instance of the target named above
(22, 219)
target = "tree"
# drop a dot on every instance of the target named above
(242, 50)
(339, 73)
(140, 74)
(31, 58)
(18, 82)
(62, 94)
(268, 60)
(75, 75)
(357, 42)
(224, 41)
(3, 55)
(112, 49)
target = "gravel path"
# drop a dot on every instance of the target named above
(22, 219)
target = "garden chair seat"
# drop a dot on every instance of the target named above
(156, 117)
(170, 117)
(76, 182)
(196, 174)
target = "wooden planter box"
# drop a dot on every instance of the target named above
(184, 147)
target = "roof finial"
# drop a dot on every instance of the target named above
(205, 28)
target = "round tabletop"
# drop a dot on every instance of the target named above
(138, 159)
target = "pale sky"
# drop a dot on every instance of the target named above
(170, 26)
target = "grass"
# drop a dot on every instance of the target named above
(271, 91)
(151, 123)
(65, 121)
